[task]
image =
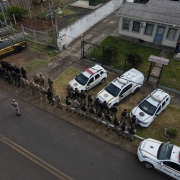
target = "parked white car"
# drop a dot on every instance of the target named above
(164, 157)
(148, 109)
(89, 78)
(122, 86)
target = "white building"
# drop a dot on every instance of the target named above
(157, 21)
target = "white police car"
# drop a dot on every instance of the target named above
(122, 86)
(89, 78)
(148, 109)
(164, 157)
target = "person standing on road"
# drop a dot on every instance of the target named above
(15, 106)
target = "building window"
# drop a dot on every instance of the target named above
(126, 24)
(171, 33)
(149, 29)
(136, 26)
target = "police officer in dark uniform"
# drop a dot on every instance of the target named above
(92, 112)
(131, 133)
(104, 107)
(83, 97)
(124, 115)
(23, 73)
(90, 100)
(116, 124)
(133, 120)
(77, 95)
(114, 110)
(123, 130)
(50, 96)
(84, 110)
(97, 104)
(99, 117)
(108, 119)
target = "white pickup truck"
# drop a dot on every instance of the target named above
(122, 86)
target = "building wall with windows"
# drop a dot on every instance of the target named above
(153, 32)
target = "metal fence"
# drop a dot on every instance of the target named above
(36, 36)
(101, 54)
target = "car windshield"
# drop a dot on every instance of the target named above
(147, 107)
(165, 151)
(81, 79)
(112, 89)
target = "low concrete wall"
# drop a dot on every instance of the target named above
(80, 26)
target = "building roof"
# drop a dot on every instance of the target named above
(161, 11)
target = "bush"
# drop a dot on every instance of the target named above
(173, 132)
(134, 59)
(18, 12)
(1, 16)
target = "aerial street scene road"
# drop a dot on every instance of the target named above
(89, 90)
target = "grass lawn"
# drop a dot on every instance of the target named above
(170, 75)
(170, 118)
(42, 56)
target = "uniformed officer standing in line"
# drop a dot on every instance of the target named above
(97, 104)
(116, 124)
(92, 112)
(35, 78)
(84, 110)
(58, 101)
(124, 115)
(104, 107)
(23, 73)
(90, 100)
(133, 120)
(50, 96)
(99, 117)
(77, 106)
(114, 110)
(83, 97)
(41, 80)
(68, 103)
(123, 130)
(51, 83)
(15, 106)
(108, 119)
(77, 95)
(131, 133)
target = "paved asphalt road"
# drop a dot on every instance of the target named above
(69, 149)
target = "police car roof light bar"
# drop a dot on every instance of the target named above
(89, 71)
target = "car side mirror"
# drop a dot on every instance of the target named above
(161, 163)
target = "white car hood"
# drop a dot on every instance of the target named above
(140, 115)
(149, 147)
(74, 84)
(103, 95)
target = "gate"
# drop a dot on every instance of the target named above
(36, 36)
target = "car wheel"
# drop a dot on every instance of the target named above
(18, 49)
(136, 90)
(102, 81)
(148, 165)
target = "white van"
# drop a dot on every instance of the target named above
(122, 86)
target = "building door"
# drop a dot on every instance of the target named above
(159, 34)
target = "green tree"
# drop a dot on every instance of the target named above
(18, 12)
(1, 16)
(134, 59)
